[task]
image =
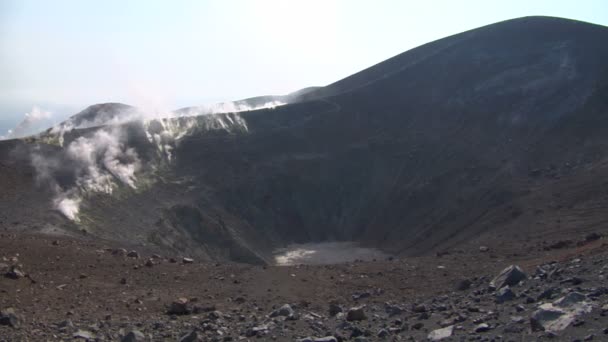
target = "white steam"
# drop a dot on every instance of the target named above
(32, 122)
(228, 107)
(69, 207)
(98, 163)
(101, 161)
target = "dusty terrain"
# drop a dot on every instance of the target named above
(80, 286)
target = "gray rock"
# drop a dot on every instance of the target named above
(190, 337)
(547, 294)
(66, 325)
(119, 252)
(83, 334)
(382, 333)
(14, 272)
(419, 308)
(134, 336)
(463, 285)
(325, 339)
(550, 319)
(258, 331)
(570, 299)
(556, 316)
(356, 314)
(284, 310)
(334, 309)
(483, 327)
(440, 334)
(179, 307)
(510, 276)
(9, 317)
(392, 310)
(187, 260)
(133, 254)
(504, 294)
(215, 315)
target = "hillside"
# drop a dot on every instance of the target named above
(490, 135)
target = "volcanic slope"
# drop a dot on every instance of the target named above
(493, 135)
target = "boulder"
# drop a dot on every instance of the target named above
(510, 276)
(556, 316)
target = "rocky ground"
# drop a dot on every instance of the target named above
(65, 288)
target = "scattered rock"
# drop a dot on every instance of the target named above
(463, 285)
(9, 317)
(356, 314)
(15, 272)
(325, 339)
(133, 254)
(592, 237)
(334, 309)
(119, 252)
(382, 333)
(419, 308)
(187, 260)
(483, 327)
(134, 336)
(179, 307)
(392, 310)
(190, 337)
(571, 299)
(285, 311)
(504, 294)
(84, 334)
(440, 334)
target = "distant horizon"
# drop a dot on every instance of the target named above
(63, 56)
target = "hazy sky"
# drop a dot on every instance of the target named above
(64, 55)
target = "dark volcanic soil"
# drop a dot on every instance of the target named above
(77, 284)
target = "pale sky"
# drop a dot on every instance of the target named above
(64, 55)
